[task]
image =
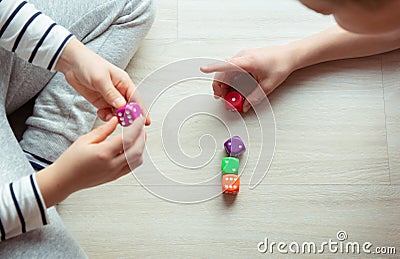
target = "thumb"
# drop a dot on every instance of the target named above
(254, 98)
(112, 96)
(230, 65)
(100, 133)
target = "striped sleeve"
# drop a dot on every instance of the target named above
(21, 208)
(30, 34)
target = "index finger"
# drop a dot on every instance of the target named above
(221, 66)
(135, 96)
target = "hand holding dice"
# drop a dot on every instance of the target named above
(127, 114)
(230, 165)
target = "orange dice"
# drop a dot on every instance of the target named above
(230, 183)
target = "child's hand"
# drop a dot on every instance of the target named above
(103, 84)
(270, 66)
(92, 160)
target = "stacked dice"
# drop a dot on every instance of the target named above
(230, 165)
(127, 114)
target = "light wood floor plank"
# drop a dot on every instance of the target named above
(391, 82)
(255, 19)
(331, 125)
(166, 24)
(330, 118)
(128, 222)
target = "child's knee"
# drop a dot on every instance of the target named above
(143, 11)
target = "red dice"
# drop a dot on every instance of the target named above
(230, 183)
(234, 101)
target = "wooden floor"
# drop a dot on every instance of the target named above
(337, 158)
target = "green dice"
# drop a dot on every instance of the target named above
(230, 165)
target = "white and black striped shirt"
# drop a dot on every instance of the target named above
(21, 207)
(30, 34)
(37, 39)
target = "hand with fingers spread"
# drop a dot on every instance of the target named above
(92, 160)
(103, 84)
(269, 66)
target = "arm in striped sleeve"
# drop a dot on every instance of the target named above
(21, 208)
(30, 34)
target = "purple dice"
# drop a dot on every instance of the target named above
(235, 146)
(127, 114)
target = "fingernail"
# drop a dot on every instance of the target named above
(119, 102)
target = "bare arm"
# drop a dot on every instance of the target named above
(336, 43)
(271, 65)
